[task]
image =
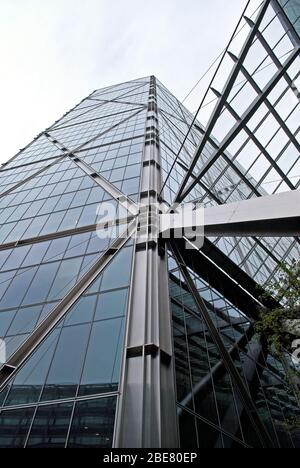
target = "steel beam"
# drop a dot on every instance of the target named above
(267, 103)
(259, 145)
(270, 52)
(269, 216)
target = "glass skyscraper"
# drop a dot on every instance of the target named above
(121, 341)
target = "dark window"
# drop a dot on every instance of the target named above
(188, 430)
(93, 424)
(50, 426)
(14, 427)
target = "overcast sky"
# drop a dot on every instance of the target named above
(55, 52)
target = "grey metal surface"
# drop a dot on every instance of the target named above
(147, 409)
(269, 216)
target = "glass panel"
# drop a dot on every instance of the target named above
(16, 258)
(17, 289)
(5, 321)
(65, 279)
(50, 426)
(117, 274)
(67, 363)
(14, 426)
(111, 305)
(188, 430)
(102, 365)
(25, 320)
(41, 284)
(27, 386)
(36, 254)
(208, 436)
(57, 249)
(82, 312)
(93, 424)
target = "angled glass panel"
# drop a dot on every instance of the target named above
(14, 427)
(50, 426)
(93, 424)
(82, 355)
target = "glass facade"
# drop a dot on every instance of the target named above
(65, 393)
(67, 295)
(210, 410)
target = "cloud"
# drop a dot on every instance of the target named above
(54, 53)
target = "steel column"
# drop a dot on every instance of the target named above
(147, 410)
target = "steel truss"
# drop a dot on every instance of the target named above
(242, 121)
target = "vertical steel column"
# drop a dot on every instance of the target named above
(146, 415)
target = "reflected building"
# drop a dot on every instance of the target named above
(114, 340)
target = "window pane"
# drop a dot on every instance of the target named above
(16, 258)
(65, 279)
(29, 381)
(5, 321)
(4, 254)
(82, 311)
(71, 219)
(102, 365)
(17, 289)
(50, 427)
(14, 426)
(78, 245)
(117, 274)
(41, 284)
(25, 320)
(35, 226)
(93, 424)
(208, 436)
(53, 223)
(36, 254)
(5, 279)
(67, 363)
(188, 430)
(57, 249)
(111, 305)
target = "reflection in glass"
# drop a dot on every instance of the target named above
(93, 424)
(14, 426)
(50, 426)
